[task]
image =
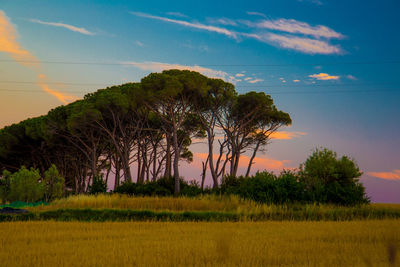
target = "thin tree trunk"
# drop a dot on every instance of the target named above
(168, 160)
(176, 161)
(252, 158)
(203, 174)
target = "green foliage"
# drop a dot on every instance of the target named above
(54, 184)
(25, 185)
(328, 178)
(5, 182)
(273, 213)
(98, 185)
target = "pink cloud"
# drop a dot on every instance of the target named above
(393, 175)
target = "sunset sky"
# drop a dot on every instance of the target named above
(332, 65)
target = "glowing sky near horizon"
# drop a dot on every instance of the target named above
(333, 65)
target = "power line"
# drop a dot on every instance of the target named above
(268, 92)
(256, 86)
(210, 65)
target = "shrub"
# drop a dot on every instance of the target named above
(98, 185)
(259, 188)
(5, 182)
(25, 186)
(328, 178)
(53, 183)
(288, 188)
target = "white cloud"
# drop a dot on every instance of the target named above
(298, 27)
(248, 78)
(63, 25)
(289, 41)
(324, 76)
(195, 25)
(351, 77)
(253, 13)
(239, 75)
(139, 43)
(159, 66)
(222, 21)
(256, 81)
(177, 14)
(296, 81)
(315, 2)
(305, 45)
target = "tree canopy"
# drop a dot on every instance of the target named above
(149, 125)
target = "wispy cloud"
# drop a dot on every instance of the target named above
(253, 13)
(222, 21)
(315, 2)
(10, 45)
(298, 27)
(296, 81)
(63, 25)
(305, 45)
(283, 135)
(260, 163)
(351, 77)
(139, 43)
(324, 76)
(393, 175)
(190, 24)
(159, 66)
(255, 81)
(177, 14)
(239, 75)
(63, 98)
(288, 38)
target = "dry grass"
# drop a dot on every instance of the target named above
(355, 243)
(233, 204)
(115, 201)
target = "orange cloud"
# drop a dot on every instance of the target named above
(63, 98)
(258, 162)
(394, 175)
(283, 135)
(10, 45)
(324, 76)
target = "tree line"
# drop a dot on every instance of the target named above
(151, 124)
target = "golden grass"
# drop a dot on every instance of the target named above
(216, 203)
(115, 201)
(355, 243)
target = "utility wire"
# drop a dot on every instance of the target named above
(259, 85)
(210, 65)
(268, 92)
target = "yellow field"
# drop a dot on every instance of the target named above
(230, 203)
(354, 243)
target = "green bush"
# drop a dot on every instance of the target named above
(25, 185)
(98, 185)
(53, 183)
(328, 178)
(5, 182)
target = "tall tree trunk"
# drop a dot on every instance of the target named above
(176, 160)
(139, 164)
(203, 174)
(210, 158)
(117, 172)
(168, 158)
(252, 158)
(154, 162)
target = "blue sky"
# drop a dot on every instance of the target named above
(333, 65)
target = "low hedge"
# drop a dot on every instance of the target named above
(293, 214)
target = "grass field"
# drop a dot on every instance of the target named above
(354, 243)
(204, 208)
